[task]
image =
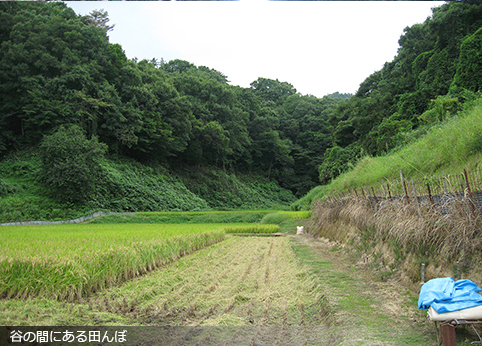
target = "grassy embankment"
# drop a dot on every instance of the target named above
(450, 147)
(398, 238)
(127, 185)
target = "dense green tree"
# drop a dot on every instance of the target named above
(389, 132)
(177, 66)
(273, 90)
(340, 95)
(220, 134)
(338, 160)
(51, 67)
(441, 108)
(263, 128)
(98, 18)
(158, 118)
(71, 164)
(304, 121)
(469, 66)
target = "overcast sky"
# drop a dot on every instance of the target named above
(318, 47)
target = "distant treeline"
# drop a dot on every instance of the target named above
(58, 68)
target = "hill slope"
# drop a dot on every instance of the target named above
(130, 186)
(450, 147)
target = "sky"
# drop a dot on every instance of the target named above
(319, 47)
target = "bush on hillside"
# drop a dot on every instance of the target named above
(131, 186)
(274, 218)
(71, 163)
(7, 188)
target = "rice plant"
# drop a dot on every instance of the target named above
(297, 215)
(68, 262)
(251, 228)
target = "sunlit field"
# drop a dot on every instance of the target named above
(68, 262)
(71, 261)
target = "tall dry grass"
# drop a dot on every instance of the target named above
(402, 236)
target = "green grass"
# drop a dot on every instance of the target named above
(68, 262)
(450, 147)
(252, 229)
(274, 218)
(359, 301)
(297, 215)
(305, 202)
(238, 216)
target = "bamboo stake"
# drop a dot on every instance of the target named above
(384, 188)
(429, 194)
(404, 186)
(374, 196)
(445, 183)
(389, 193)
(470, 194)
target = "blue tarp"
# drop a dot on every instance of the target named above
(447, 295)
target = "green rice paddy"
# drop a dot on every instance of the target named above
(72, 261)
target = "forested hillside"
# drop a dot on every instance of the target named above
(59, 68)
(437, 70)
(65, 86)
(72, 106)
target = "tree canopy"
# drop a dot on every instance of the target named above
(58, 69)
(437, 66)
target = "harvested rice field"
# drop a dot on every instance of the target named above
(241, 281)
(290, 290)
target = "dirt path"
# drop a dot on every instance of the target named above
(366, 311)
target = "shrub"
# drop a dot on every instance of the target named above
(274, 218)
(71, 163)
(7, 188)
